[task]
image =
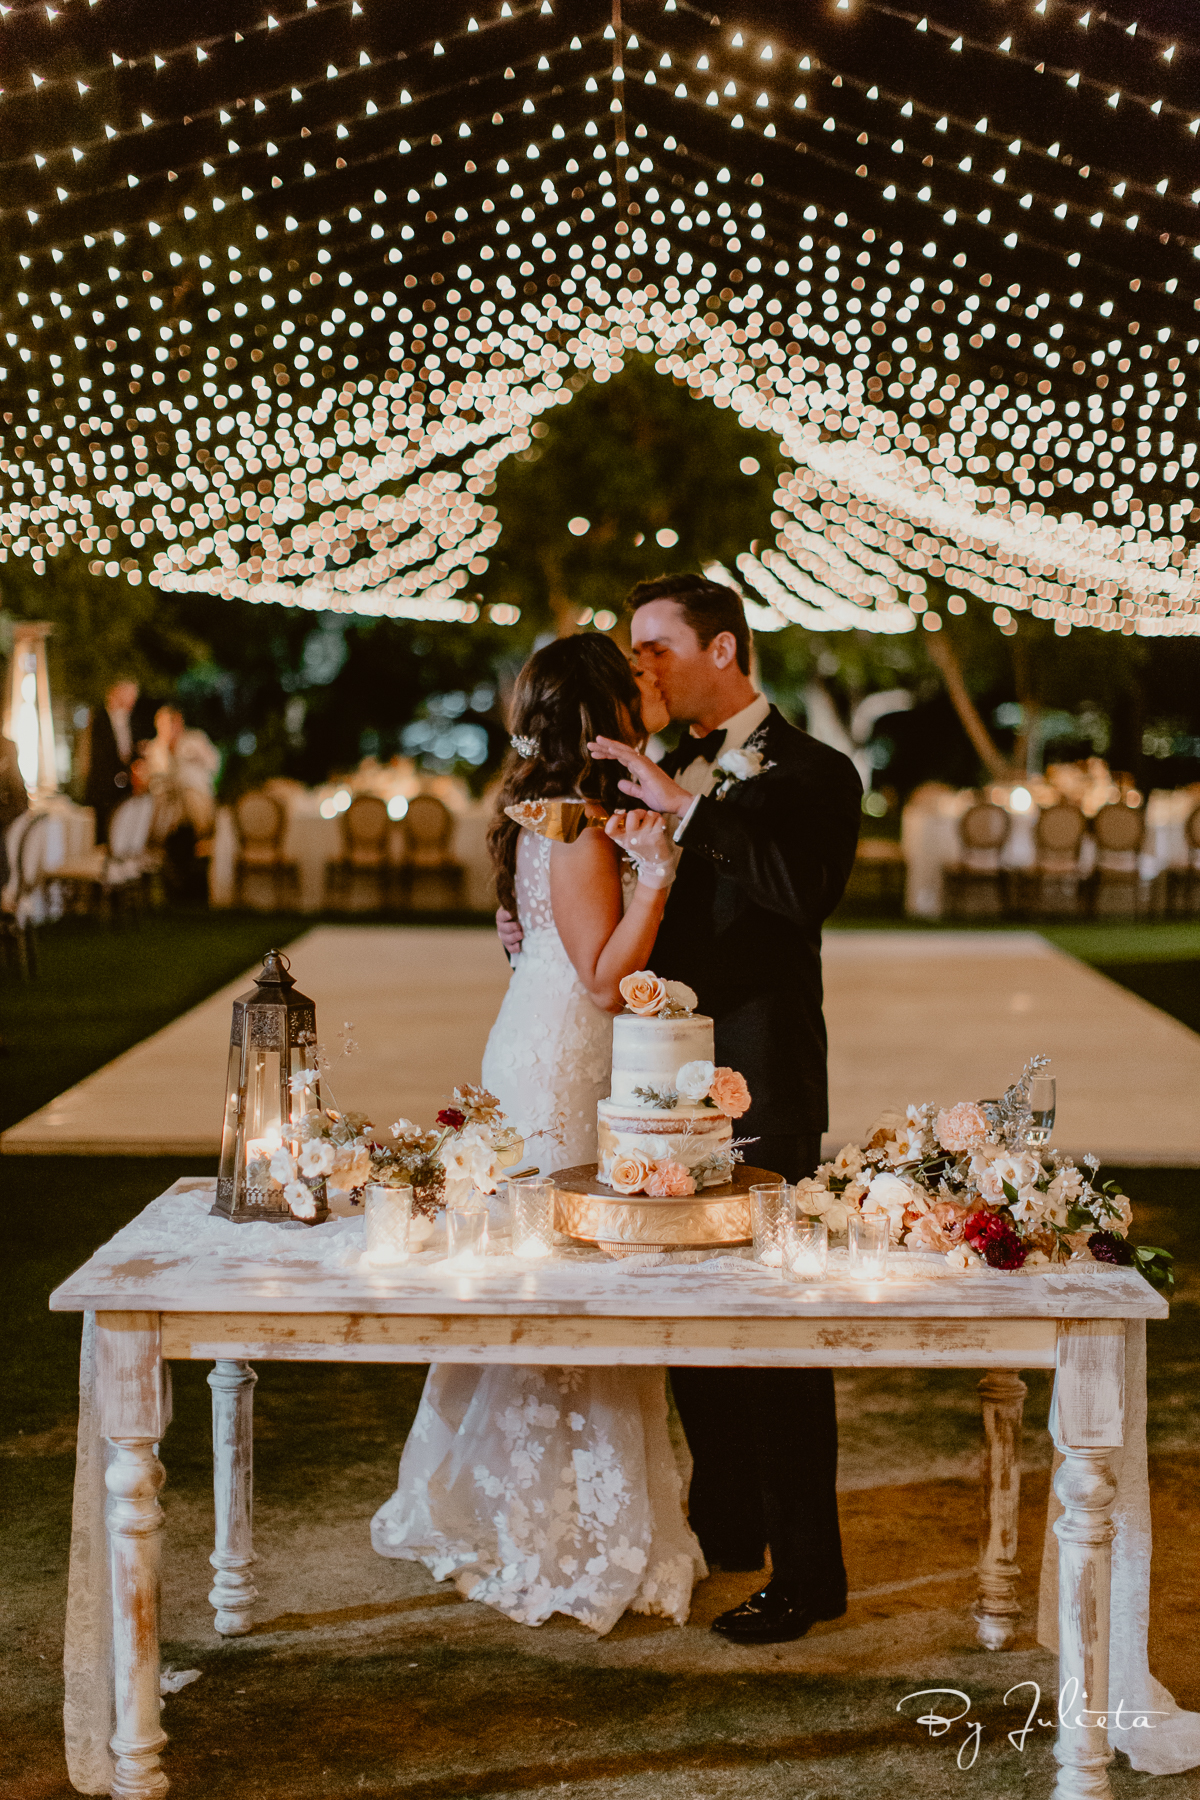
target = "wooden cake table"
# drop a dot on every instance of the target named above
(174, 1284)
(632, 1224)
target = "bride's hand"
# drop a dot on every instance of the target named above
(643, 837)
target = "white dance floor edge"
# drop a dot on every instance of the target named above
(911, 1015)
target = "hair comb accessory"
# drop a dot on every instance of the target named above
(524, 746)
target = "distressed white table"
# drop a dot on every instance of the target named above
(215, 1296)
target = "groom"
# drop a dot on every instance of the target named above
(762, 866)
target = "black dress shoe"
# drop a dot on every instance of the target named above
(772, 1616)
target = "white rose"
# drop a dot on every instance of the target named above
(681, 995)
(963, 1260)
(302, 1200)
(694, 1080)
(887, 1193)
(316, 1158)
(283, 1166)
(742, 764)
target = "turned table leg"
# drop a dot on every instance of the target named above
(233, 1591)
(1090, 1402)
(131, 1398)
(996, 1609)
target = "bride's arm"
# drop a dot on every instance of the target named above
(604, 943)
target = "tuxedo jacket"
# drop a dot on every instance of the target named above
(761, 870)
(108, 772)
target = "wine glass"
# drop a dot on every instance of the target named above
(1042, 1091)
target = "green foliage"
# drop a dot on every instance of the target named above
(633, 456)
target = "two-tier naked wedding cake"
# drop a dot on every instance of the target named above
(666, 1175)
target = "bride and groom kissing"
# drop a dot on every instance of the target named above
(561, 1490)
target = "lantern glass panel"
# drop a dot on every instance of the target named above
(229, 1131)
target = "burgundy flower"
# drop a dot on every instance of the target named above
(1107, 1247)
(996, 1240)
(452, 1118)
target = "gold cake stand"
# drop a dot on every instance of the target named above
(632, 1224)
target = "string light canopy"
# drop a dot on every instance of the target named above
(279, 299)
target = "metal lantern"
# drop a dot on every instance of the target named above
(271, 1086)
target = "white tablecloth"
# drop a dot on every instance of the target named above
(312, 842)
(178, 1222)
(930, 839)
(70, 832)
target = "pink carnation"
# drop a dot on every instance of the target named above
(729, 1093)
(670, 1181)
(958, 1127)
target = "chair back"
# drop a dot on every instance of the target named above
(428, 828)
(365, 827)
(1191, 831)
(27, 844)
(1119, 828)
(129, 828)
(260, 821)
(984, 826)
(1060, 828)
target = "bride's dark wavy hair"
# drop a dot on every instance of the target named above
(569, 693)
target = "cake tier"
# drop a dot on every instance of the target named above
(690, 1135)
(649, 1053)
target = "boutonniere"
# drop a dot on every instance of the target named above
(742, 764)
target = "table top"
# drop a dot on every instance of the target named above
(174, 1258)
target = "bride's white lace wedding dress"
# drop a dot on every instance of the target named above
(544, 1490)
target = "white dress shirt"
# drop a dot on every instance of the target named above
(701, 777)
(122, 732)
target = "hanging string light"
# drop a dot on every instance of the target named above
(300, 390)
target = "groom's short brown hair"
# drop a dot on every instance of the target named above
(708, 606)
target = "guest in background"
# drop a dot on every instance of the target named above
(14, 800)
(182, 765)
(110, 754)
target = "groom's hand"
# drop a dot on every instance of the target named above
(645, 781)
(509, 931)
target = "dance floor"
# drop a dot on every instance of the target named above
(912, 1016)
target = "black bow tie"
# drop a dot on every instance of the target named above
(709, 747)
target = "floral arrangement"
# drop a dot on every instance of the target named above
(472, 1143)
(647, 995)
(965, 1182)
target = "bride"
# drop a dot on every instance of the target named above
(544, 1490)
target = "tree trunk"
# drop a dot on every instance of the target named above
(945, 659)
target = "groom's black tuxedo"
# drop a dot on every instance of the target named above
(761, 870)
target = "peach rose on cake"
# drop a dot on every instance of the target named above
(962, 1126)
(643, 992)
(729, 1093)
(629, 1174)
(669, 1181)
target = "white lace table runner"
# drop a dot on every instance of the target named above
(179, 1220)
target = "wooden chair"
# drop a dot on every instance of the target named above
(1183, 885)
(366, 829)
(1057, 874)
(977, 883)
(117, 875)
(428, 858)
(1120, 832)
(261, 822)
(26, 845)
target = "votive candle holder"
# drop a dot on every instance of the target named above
(388, 1214)
(466, 1235)
(869, 1237)
(531, 1204)
(805, 1249)
(772, 1204)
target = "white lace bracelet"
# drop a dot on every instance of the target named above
(655, 874)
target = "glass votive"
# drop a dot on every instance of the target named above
(805, 1249)
(771, 1205)
(388, 1213)
(870, 1234)
(466, 1235)
(531, 1205)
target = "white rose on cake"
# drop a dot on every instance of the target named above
(694, 1080)
(681, 996)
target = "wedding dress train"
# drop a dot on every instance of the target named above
(544, 1490)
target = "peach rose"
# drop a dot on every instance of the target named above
(729, 1093)
(959, 1127)
(643, 992)
(940, 1228)
(670, 1181)
(629, 1174)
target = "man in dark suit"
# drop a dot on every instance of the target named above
(768, 841)
(111, 754)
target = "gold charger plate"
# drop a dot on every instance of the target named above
(632, 1224)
